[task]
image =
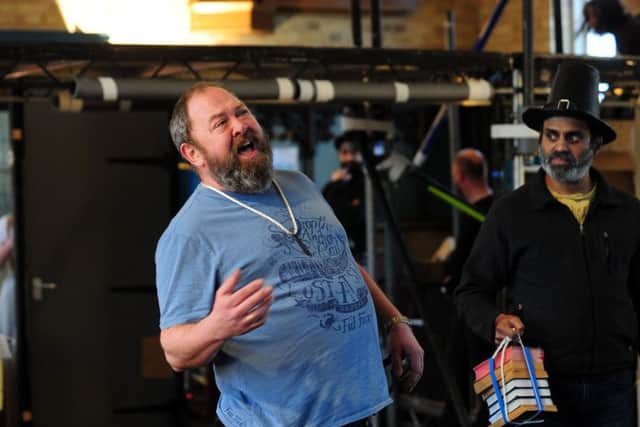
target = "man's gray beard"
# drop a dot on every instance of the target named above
(573, 172)
(254, 177)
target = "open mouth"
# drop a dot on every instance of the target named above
(246, 147)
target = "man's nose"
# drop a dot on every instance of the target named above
(238, 127)
(561, 144)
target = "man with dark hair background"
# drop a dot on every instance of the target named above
(345, 194)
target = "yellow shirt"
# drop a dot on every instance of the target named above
(577, 203)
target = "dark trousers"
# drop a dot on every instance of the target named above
(593, 401)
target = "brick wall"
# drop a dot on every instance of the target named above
(30, 15)
(423, 29)
(632, 6)
(508, 33)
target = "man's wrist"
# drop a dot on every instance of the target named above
(397, 320)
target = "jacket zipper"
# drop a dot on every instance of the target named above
(591, 305)
(607, 252)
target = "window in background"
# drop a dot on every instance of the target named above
(588, 42)
(134, 22)
(286, 155)
(325, 161)
(601, 44)
(577, 22)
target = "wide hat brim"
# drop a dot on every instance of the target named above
(574, 93)
(534, 118)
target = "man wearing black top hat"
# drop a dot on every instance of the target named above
(345, 194)
(566, 246)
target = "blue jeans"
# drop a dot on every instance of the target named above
(593, 401)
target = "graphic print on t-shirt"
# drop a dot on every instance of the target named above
(326, 284)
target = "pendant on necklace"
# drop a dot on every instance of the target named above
(304, 248)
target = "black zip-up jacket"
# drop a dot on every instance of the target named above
(576, 288)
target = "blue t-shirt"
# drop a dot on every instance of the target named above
(316, 361)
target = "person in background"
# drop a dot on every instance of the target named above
(254, 275)
(469, 174)
(610, 16)
(345, 194)
(8, 324)
(8, 319)
(566, 246)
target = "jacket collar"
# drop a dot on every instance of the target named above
(541, 196)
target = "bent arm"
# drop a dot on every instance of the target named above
(484, 275)
(233, 313)
(634, 284)
(190, 345)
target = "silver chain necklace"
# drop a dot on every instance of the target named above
(293, 233)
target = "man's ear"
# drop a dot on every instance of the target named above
(191, 154)
(456, 176)
(597, 143)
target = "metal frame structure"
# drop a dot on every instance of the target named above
(30, 68)
(40, 69)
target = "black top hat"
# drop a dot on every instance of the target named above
(574, 93)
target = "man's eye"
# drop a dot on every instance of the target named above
(242, 112)
(574, 138)
(219, 124)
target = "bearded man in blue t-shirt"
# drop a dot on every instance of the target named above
(254, 274)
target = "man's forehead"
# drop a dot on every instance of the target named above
(565, 123)
(348, 146)
(215, 96)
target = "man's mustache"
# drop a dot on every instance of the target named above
(248, 136)
(563, 155)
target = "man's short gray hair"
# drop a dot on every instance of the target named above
(180, 125)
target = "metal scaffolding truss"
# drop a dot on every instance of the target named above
(622, 72)
(57, 65)
(28, 67)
